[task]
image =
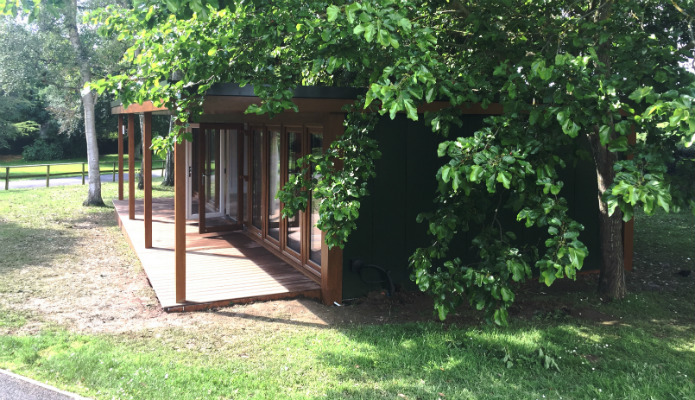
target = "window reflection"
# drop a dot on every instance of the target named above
(273, 184)
(294, 152)
(316, 148)
(257, 186)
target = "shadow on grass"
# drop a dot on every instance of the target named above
(23, 246)
(260, 318)
(435, 361)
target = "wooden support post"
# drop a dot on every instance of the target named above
(83, 173)
(332, 260)
(7, 178)
(120, 157)
(180, 219)
(48, 174)
(147, 177)
(131, 166)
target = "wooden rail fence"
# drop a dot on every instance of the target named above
(82, 173)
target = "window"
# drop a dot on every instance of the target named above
(257, 186)
(274, 152)
(294, 153)
(315, 147)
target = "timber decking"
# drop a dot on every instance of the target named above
(221, 268)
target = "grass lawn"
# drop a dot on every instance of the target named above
(75, 312)
(67, 167)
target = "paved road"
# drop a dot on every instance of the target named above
(77, 180)
(16, 387)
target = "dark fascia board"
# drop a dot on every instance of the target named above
(301, 92)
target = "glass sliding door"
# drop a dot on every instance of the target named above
(274, 151)
(294, 153)
(211, 172)
(316, 148)
(270, 159)
(217, 159)
(257, 184)
(244, 166)
(233, 176)
(193, 161)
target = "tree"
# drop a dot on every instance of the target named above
(566, 72)
(61, 18)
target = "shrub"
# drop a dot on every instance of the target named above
(42, 150)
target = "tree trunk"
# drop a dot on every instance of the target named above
(94, 191)
(88, 101)
(169, 163)
(612, 277)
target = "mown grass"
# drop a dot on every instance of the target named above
(426, 360)
(647, 351)
(68, 167)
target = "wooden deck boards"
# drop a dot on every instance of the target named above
(221, 268)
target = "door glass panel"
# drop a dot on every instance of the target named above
(212, 172)
(244, 154)
(316, 147)
(273, 184)
(193, 171)
(294, 152)
(233, 175)
(257, 186)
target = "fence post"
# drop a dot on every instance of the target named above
(48, 174)
(83, 173)
(113, 178)
(7, 178)
(163, 165)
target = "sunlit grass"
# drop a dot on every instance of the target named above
(363, 362)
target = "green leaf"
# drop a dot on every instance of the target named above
(405, 24)
(172, 5)
(332, 13)
(410, 109)
(507, 295)
(545, 73)
(604, 134)
(548, 277)
(618, 145)
(500, 317)
(640, 93)
(475, 173)
(504, 178)
(446, 170)
(429, 96)
(369, 32)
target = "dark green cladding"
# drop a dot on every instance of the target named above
(387, 232)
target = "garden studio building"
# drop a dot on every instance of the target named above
(221, 239)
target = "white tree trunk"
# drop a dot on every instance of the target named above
(88, 101)
(94, 192)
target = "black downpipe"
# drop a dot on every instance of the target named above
(358, 266)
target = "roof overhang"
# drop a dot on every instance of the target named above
(227, 98)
